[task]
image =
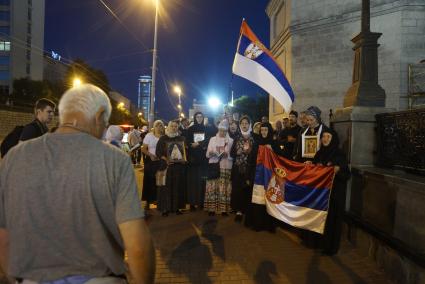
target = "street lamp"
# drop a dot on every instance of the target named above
(155, 39)
(214, 102)
(76, 82)
(178, 90)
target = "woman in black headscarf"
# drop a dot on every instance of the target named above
(330, 155)
(197, 138)
(256, 216)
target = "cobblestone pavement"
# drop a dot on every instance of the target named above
(196, 248)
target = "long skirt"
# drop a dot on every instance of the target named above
(196, 178)
(241, 192)
(217, 193)
(149, 186)
(171, 197)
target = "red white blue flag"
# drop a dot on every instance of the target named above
(295, 193)
(254, 62)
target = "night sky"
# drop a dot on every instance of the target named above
(196, 44)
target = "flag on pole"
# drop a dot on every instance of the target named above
(295, 193)
(254, 62)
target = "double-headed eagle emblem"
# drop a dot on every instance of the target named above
(253, 50)
(275, 190)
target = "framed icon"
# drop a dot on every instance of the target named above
(198, 137)
(310, 146)
(176, 152)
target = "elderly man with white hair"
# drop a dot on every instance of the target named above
(68, 214)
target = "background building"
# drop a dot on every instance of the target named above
(312, 43)
(144, 95)
(21, 41)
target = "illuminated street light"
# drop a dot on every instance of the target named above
(76, 82)
(121, 105)
(140, 114)
(214, 102)
(182, 115)
(178, 90)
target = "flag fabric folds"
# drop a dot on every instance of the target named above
(295, 193)
(254, 62)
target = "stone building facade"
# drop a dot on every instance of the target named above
(312, 42)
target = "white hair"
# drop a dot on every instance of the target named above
(114, 133)
(86, 99)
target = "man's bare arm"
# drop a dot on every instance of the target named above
(4, 253)
(140, 250)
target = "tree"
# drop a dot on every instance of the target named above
(255, 107)
(26, 91)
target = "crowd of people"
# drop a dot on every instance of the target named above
(211, 166)
(208, 166)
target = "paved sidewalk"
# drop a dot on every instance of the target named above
(195, 248)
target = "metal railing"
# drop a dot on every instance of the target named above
(401, 140)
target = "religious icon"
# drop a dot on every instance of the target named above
(310, 148)
(176, 152)
(198, 137)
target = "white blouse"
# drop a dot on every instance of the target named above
(219, 145)
(151, 140)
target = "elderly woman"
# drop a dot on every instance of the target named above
(171, 150)
(114, 135)
(151, 162)
(308, 141)
(330, 155)
(219, 188)
(243, 170)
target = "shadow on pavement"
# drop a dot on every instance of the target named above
(264, 271)
(194, 256)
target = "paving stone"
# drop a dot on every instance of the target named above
(195, 248)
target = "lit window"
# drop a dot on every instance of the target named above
(4, 45)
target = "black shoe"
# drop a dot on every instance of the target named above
(178, 212)
(238, 218)
(224, 214)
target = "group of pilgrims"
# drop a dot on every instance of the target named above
(211, 167)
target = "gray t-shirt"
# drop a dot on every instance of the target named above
(62, 197)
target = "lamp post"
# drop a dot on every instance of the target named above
(155, 38)
(178, 91)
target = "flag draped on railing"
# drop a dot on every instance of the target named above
(254, 62)
(295, 193)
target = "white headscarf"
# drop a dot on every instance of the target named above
(114, 133)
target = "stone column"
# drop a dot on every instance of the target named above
(355, 122)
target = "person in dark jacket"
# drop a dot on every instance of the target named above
(330, 155)
(197, 138)
(256, 216)
(289, 135)
(44, 111)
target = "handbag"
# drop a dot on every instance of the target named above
(213, 170)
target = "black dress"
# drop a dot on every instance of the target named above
(172, 196)
(256, 216)
(333, 156)
(198, 163)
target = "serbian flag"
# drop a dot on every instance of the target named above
(295, 193)
(254, 62)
